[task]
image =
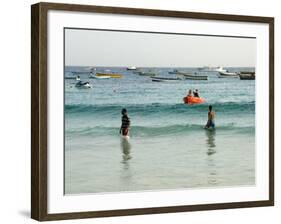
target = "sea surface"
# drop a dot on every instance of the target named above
(168, 146)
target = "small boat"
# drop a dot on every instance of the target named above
(111, 75)
(132, 68)
(220, 69)
(194, 76)
(70, 77)
(193, 100)
(77, 78)
(211, 69)
(228, 75)
(80, 72)
(175, 71)
(92, 76)
(83, 85)
(150, 74)
(206, 69)
(247, 75)
(164, 79)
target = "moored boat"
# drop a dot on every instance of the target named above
(151, 74)
(92, 76)
(211, 69)
(77, 78)
(220, 69)
(111, 75)
(132, 68)
(228, 75)
(194, 76)
(247, 75)
(175, 71)
(164, 79)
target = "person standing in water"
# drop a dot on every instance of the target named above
(124, 130)
(211, 118)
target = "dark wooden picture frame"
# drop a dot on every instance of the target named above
(39, 147)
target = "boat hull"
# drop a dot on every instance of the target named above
(228, 75)
(247, 76)
(193, 100)
(163, 79)
(195, 77)
(110, 75)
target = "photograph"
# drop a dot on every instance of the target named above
(152, 111)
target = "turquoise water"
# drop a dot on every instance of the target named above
(168, 148)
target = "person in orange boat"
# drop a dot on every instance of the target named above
(190, 99)
(188, 96)
(196, 93)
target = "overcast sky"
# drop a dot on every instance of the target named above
(114, 48)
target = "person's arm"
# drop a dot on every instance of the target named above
(121, 125)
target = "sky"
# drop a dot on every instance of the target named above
(124, 49)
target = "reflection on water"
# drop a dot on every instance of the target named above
(126, 149)
(211, 144)
(211, 161)
(126, 174)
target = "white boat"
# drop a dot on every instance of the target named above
(92, 76)
(211, 69)
(194, 76)
(228, 75)
(220, 69)
(206, 69)
(132, 68)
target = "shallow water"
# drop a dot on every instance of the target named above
(168, 148)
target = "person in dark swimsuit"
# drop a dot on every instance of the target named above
(124, 130)
(211, 118)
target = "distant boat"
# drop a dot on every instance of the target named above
(228, 75)
(175, 71)
(220, 69)
(70, 77)
(247, 75)
(150, 74)
(132, 68)
(92, 76)
(111, 75)
(211, 69)
(164, 79)
(77, 78)
(106, 74)
(80, 72)
(194, 76)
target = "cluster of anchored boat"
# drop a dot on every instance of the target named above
(179, 75)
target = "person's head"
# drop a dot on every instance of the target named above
(210, 108)
(124, 111)
(196, 90)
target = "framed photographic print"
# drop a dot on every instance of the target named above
(140, 111)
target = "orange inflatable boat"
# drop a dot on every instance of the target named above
(193, 100)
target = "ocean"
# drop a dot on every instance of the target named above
(168, 146)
